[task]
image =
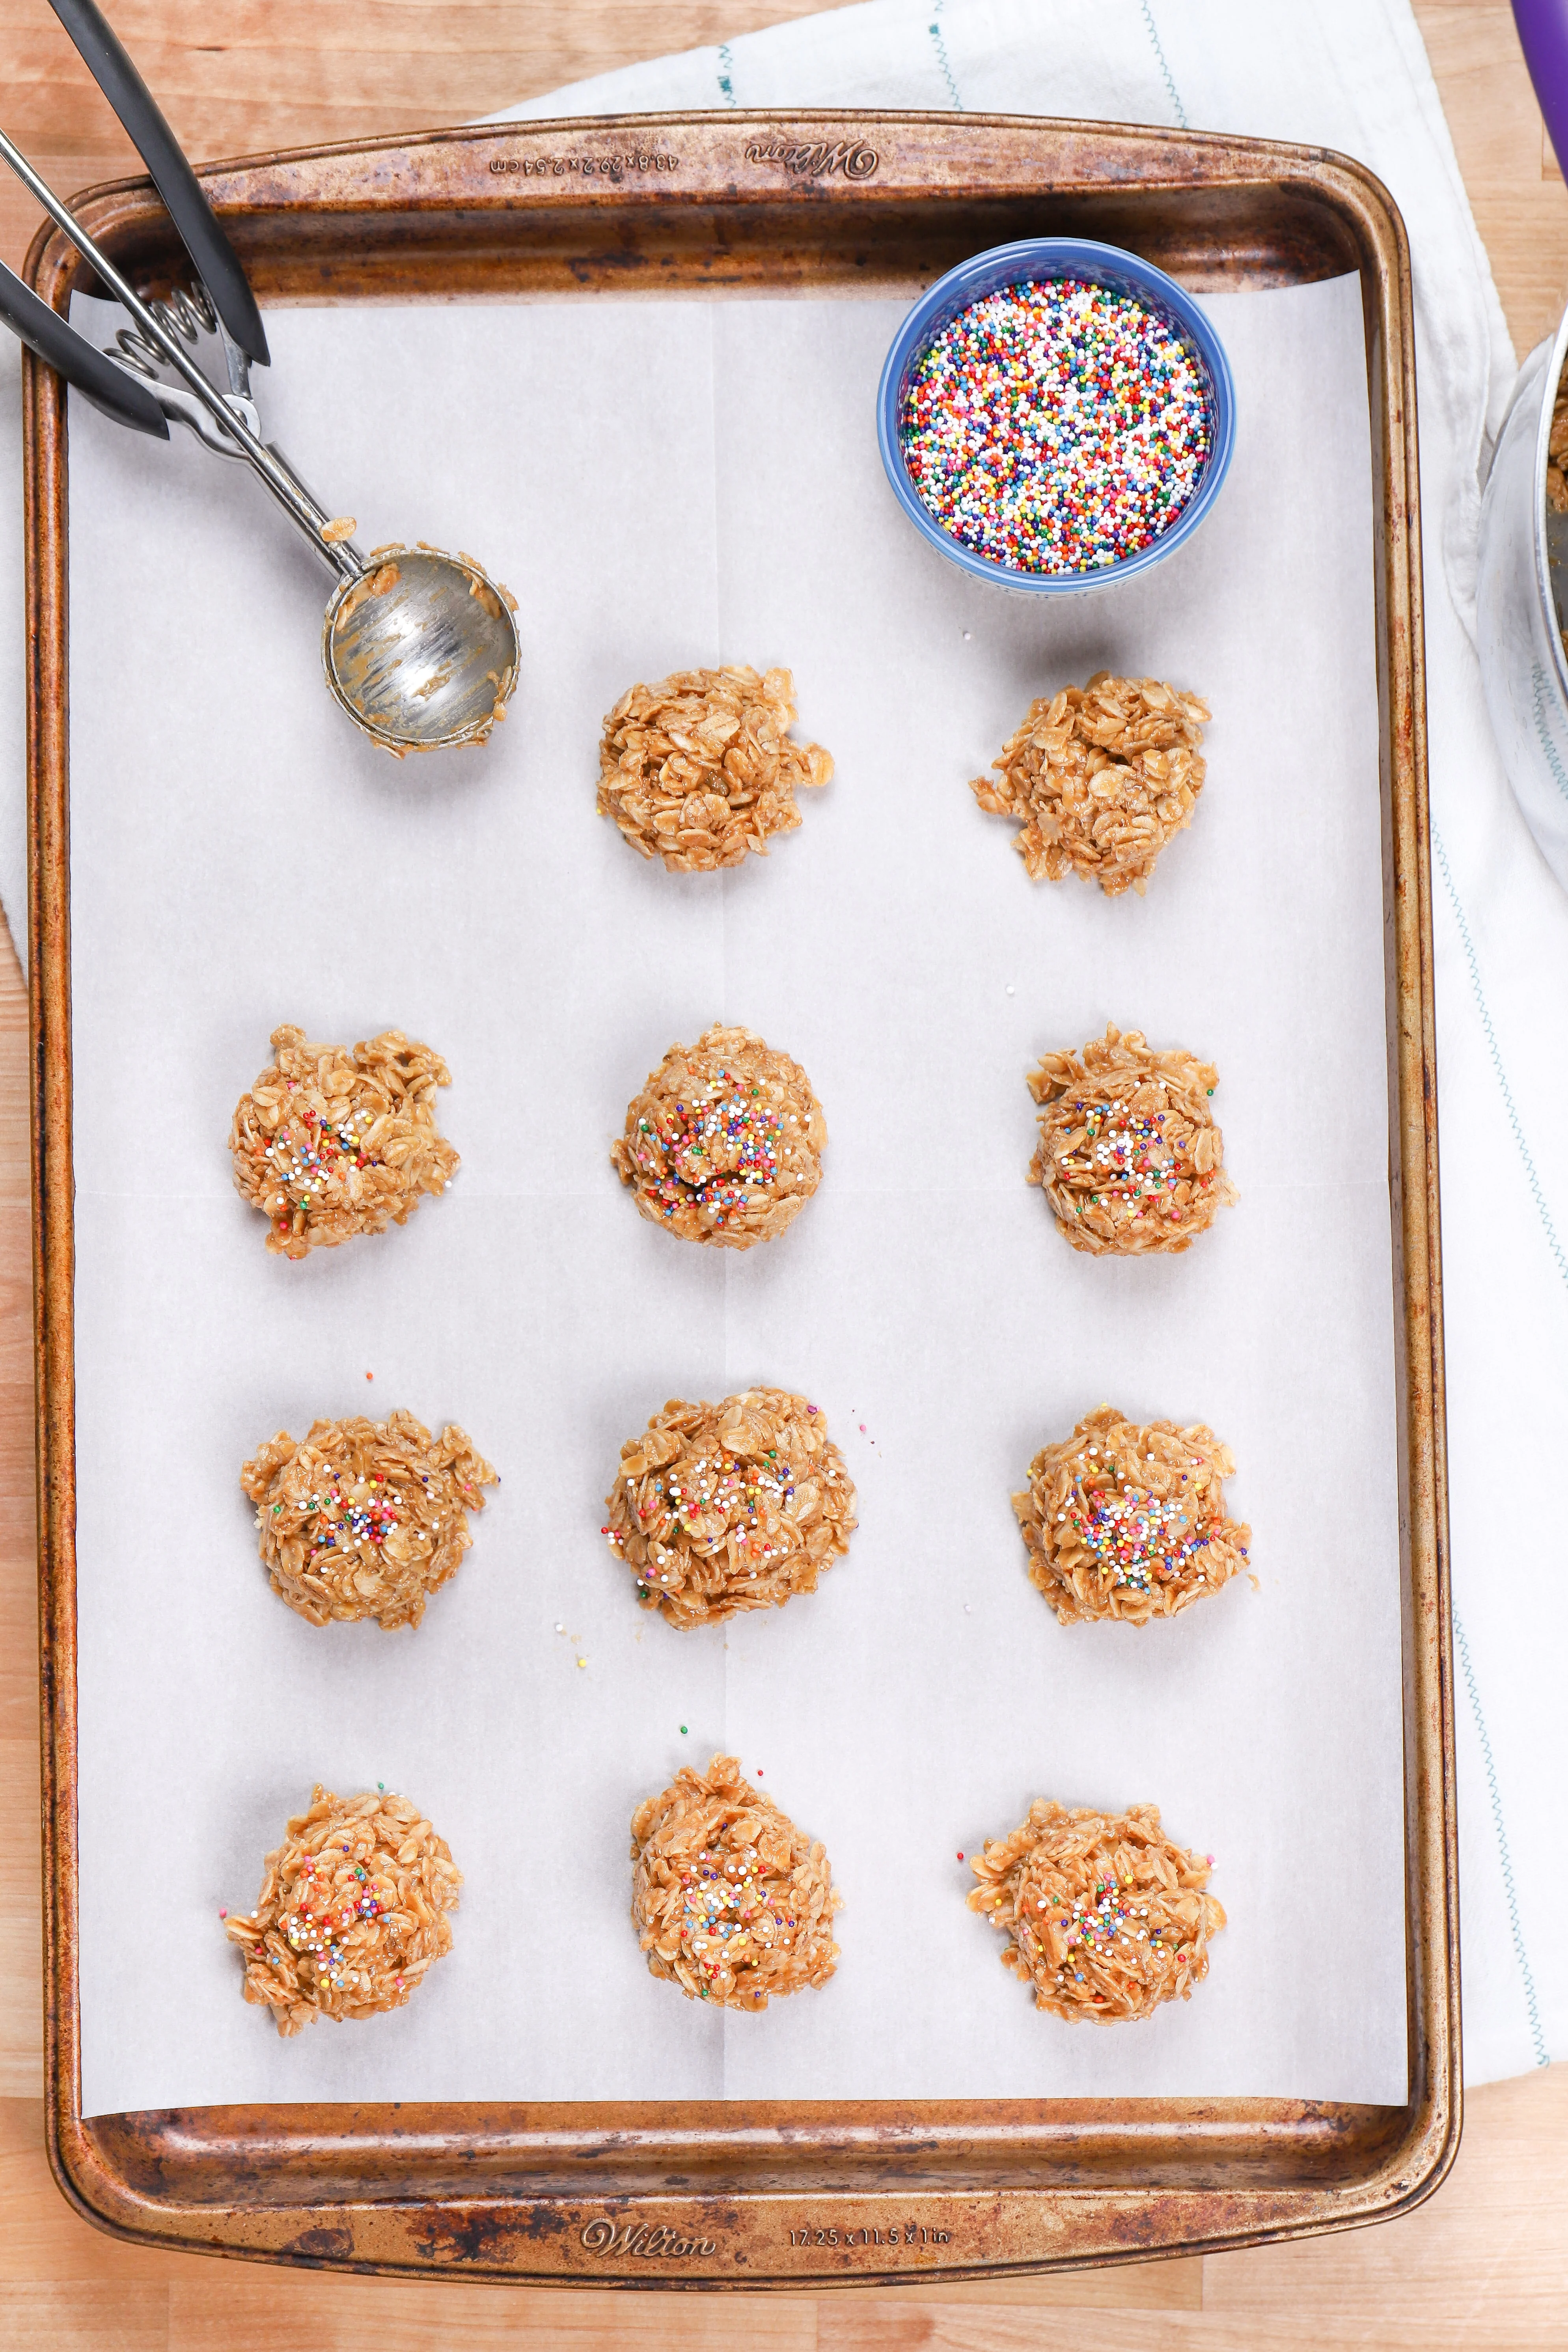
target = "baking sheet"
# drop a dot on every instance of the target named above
(664, 484)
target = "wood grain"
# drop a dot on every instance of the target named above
(1485, 2263)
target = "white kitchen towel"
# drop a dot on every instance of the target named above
(1352, 75)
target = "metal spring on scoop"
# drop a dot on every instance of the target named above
(187, 313)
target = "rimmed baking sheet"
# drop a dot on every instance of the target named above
(665, 483)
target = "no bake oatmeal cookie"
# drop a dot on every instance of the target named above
(725, 1142)
(1100, 777)
(1129, 1156)
(699, 770)
(353, 1911)
(730, 1901)
(1128, 1519)
(1104, 1915)
(329, 1143)
(736, 1506)
(365, 1519)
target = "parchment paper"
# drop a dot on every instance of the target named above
(666, 484)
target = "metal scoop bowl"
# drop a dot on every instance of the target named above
(420, 648)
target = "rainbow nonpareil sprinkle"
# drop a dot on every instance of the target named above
(1056, 426)
(1136, 1537)
(715, 1149)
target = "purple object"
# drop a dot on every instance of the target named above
(1544, 36)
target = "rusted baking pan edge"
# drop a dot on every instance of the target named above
(693, 2194)
(642, 203)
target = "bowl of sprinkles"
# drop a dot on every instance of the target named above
(1056, 414)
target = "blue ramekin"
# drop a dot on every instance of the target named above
(1098, 265)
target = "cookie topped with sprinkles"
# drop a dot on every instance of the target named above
(331, 1143)
(351, 1912)
(365, 1519)
(1127, 1520)
(730, 1902)
(1056, 425)
(1104, 1915)
(723, 1144)
(741, 1505)
(1128, 1158)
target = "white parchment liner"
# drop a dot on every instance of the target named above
(666, 484)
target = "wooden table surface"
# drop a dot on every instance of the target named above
(1482, 2265)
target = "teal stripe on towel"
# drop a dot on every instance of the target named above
(1173, 92)
(1538, 703)
(1538, 2040)
(1537, 1194)
(939, 46)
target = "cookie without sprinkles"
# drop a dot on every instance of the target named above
(723, 1143)
(730, 1901)
(1100, 777)
(351, 1914)
(1129, 1157)
(718, 1508)
(1104, 1915)
(1055, 426)
(1128, 1520)
(701, 771)
(329, 1143)
(365, 1519)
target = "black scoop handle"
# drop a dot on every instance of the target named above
(218, 264)
(100, 380)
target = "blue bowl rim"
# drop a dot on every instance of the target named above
(1009, 264)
